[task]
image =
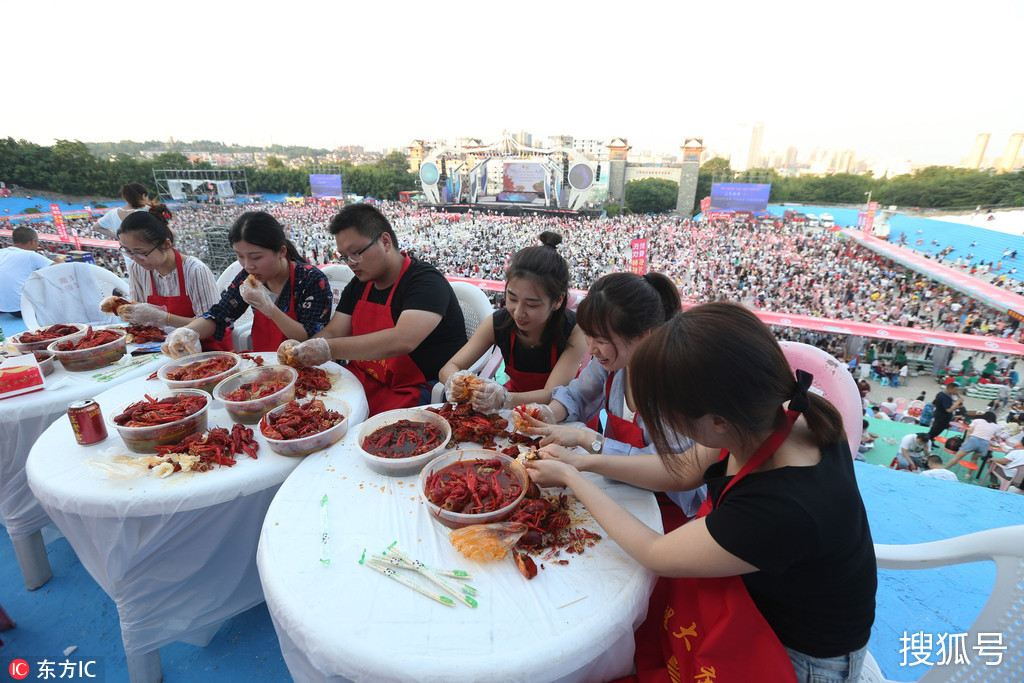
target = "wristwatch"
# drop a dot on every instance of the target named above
(597, 444)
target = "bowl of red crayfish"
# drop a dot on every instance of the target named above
(89, 350)
(398, 443)
(39, 338)
(304, 427)
(160, 418)
(252, 393)
(200, 370)
(468, 487)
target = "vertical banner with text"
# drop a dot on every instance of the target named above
(58, 222)
(638, 260)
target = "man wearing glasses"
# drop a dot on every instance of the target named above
(16, 264)
(398, 321)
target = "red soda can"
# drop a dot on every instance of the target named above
(87, 422)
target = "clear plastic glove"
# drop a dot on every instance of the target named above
(459, 385)
(541, 412)
(143, 314)
(286, 350)
(308, 353)
(259, 297)
(488, 396)
(183, 341)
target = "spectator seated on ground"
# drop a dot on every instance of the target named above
(867, 441)
(879, 414)
(914, 451)
(936, 470)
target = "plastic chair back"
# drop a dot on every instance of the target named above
(338, 276)
(475, 309)
(833, 381)
(1001, 613)
(69, 292)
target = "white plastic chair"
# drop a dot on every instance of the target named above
(1001, 614)
(475, 309)
(833, 381)
(241, 333)
(69, 292)
(338, 276)
(228, 275)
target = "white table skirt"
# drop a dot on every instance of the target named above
(177, 555)
(346, 622)
(24, 418)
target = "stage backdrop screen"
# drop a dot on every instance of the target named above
(325, 185)
(524, 177)
(740, 196)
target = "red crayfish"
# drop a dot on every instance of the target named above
(91, 340)
(201, 369)
(297, 420)
(152, 412)
(47, 334)
(473, 487)
(311, 381)
(141, 334)
(469, 425)
(255, 390)
(403, 439)
(216, 447)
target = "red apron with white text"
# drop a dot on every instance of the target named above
(708, 629)
(265, 334)
(526, 381)
(390, 383)
(182, 305)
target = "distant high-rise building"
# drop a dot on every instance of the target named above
(790, 157)
(1009, 160)
(525, 139)
(846, 160)
(746, 151)
(978, 151)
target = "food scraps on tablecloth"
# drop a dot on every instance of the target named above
(151, 411)
(203, 452)
(298, 420)
(201, 369)
(469, 425)
(258, 360)
(143, 334)
(47, 334)
(403, 439)
(92, 339)
(311, 381)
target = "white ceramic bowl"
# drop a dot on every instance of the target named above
(457, 520)
(401, 467)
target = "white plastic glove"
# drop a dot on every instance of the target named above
(488, 396)
(183, 341)
(259, 297)
(457, 388)
(143, 314)
(540, 411)
(285, 351)
(306, 354)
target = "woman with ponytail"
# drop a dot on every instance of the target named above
(290, 298)
(618, 313)
(776, 578)
(535, 332)
(171, 290)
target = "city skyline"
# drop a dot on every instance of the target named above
(884, 81)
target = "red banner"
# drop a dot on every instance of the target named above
(58, 222)
(705, 204)
(638, 260)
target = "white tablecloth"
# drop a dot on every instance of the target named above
(345, 621)
(24, 418)
(177, 555)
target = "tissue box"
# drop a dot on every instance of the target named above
(20, 375)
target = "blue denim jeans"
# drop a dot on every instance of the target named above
(843, 669)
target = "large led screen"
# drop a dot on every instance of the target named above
(740, 197)
(524, 177)
(325, 185)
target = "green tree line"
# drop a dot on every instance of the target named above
(70, 167)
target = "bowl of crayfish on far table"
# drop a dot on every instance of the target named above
(39, 338)
(466, 487)
(199, 370)
(398, 443)
(302, 427)
(160, 418)
(252, 393)
(89, 350)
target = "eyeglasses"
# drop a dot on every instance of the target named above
(135, 255)
(356, 257)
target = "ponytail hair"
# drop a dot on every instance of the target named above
(151, 226)
(135, 195)
(720, 359)
(543, 265)
(627, 305)
(263, 230)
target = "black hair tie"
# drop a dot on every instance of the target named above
(799, 401)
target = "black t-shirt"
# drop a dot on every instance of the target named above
(806, 530)
(943, 402)
(524, 358)
(422, 288)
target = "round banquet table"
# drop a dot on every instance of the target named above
(343, 621)
(23, 419)
(177, 555)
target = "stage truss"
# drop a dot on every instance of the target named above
(212, 186)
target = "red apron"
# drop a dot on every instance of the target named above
(390, 383)
(709, 628)
(182, 305)
(526, 381)
(265, 334)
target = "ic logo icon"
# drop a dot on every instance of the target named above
(19, 669)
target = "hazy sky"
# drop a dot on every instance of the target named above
(889, 79)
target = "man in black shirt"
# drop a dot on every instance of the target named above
(945, 403)
(398, 320)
